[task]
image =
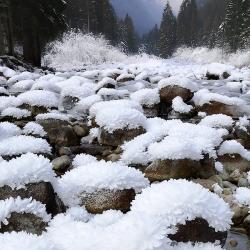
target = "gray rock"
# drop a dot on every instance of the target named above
(91, 149)
(103, 200)
(81, 130)
(29, 223)
(119, 136)
(42, 191)
(61, 163)
(243, 182)
(167, 94)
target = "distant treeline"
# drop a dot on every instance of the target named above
(31, 24)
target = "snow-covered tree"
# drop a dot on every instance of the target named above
(167, 32)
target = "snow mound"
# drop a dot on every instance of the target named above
(32, 128)
(18, 205)
(8, 129)
(83, 106)
(21, 144)
(16, 112)
(204, 96)
(234, 147)
(82, 91)
(25, 241)
(83, 159)
(180, 106)
(178, 81)
(22, 86)
(112, 119)
(119, 104)
(96, 176)
(217, 121)
(242, 196)
(29, 168)
(146, 97)
(43, 98)
(175, 208)
(53, 116)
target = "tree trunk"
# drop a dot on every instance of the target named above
(31, 40)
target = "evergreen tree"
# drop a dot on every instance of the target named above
(232, 24)
(129, 35)
(151, 41)
(96, 16)
(35, 20)
(167, 41)
(245, 25)
(211, 16)
(187, 24)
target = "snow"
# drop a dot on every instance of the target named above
(178, 81)
(28, 168)
(22, 86)
(219, 167)
(32, 128)
(108, 94)
(218, 69)
(146, 97)
(53, 116)
(23, 76)
(180, 106)
(84, 104)
(82, 91)
(7, 101)
(7, 72)
(43, 98)
(204, 96)
(118, 104)
(243, 123)
(242, 196)
(16, 112)
(18, 205)
(95, 176)
(233, 147)
(125, 76)
(106, 81)
(8, 129)
(112, 119)
(21, 144)
(83, 159)
(217, 121)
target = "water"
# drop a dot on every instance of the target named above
(242, 240)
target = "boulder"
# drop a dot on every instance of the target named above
(61, 163)
(208, 184)
(167, 94)
(81, 130)
(69, 102)
(29, 223)
(177, 169)
(198, 230)
(35, 110)
(103, 200)
(234, 162)
(119, 136)
(91, 149)
(151, 112)
(63, 137)
(244, 135)
(42, 191)
(213, 108)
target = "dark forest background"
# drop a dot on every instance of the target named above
(210, 23)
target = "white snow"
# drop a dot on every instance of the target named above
(178, 81)
(16, 112)
(112, 119)
(233, 147)
(28, 168)
(94, 176)
(53, 116)
(242, 196)
(217, 121)
(83, 159)
(146, 97)
(180, 106)
(21, 144)
(32, 128)
(43, 98)
(8, 129)
(204, 96)
(18, 205)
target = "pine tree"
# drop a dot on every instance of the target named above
(187, 24)
(167, 41)
(151, 41)
(232, 25)
(245, 25)
(129, 35)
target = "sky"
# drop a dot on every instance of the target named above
(145, 13)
